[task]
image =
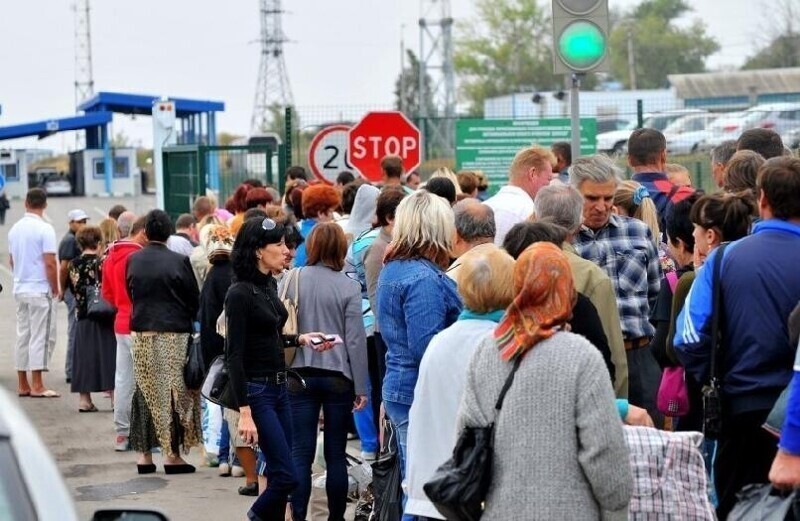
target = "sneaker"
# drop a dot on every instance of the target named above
(122, 444)
(224, 470)
(368, 456)
(251, 489)
(237, 471)
(211, 460)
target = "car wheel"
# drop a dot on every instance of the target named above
(695, 148)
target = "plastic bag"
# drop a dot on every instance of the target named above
(764, 503)
(194, 368)
(386, 487)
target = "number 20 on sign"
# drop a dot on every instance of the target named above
(327, 155)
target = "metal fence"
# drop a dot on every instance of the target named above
(614, 111)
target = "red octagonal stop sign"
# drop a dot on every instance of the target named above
(382, 134)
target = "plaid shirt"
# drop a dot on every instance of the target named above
(624, 248)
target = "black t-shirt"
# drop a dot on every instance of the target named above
(68, 248)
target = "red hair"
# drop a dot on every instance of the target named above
(319, 199)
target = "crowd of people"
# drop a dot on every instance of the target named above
(413, 300)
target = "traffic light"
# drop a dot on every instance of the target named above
(580, 36)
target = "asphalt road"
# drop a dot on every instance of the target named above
(83, 444)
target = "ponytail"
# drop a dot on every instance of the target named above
(635, 200)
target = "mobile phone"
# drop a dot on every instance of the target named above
(317, 340)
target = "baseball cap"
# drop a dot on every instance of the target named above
(77, 215)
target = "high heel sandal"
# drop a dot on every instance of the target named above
(180, 468)
(149, 468)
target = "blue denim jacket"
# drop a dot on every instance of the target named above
(415, 300)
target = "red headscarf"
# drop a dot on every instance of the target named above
(544, 301)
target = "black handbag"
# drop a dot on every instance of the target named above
(712, 392)
(458, 488)
(194, 368)
(217, 386)
(764, 503)
(98, 308)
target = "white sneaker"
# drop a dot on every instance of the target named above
(224, 470)
(369, 456)
(237, 471)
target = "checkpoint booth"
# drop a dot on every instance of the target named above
(14, 167)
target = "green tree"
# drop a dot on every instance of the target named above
(406, 89)
(659, 46)
(783, 47)
(508, 48)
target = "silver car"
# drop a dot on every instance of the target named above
(31, 487)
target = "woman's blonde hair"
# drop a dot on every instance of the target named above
(486, 280)
(110, 232)
(635, 200)
(447, 173)
(424, 228)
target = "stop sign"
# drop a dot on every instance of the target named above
(382, 134)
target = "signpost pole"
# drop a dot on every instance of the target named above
(575, 116)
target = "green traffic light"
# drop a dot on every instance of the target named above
(582, 45)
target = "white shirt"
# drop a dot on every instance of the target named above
(28, 241)
(511, 205)
(180, 245)
(437, 396)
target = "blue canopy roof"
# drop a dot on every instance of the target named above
(143, 104)
(52, 126)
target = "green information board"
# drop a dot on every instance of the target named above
(490, 145)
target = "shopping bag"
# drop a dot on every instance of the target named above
(764, 503)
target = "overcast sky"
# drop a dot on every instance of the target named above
(343, 53)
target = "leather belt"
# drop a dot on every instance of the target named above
(278, 378)
(636, 343)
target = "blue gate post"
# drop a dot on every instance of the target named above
(108, 163)
(213, 164)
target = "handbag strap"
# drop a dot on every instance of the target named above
(507, 385)
(289, 276)
(716, 311)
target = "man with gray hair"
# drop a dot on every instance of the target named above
(626, 250)
(475, 228)
(125, 223)
(720, 155)
(563, 205)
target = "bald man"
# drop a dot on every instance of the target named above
(475, 227)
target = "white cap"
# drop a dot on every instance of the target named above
(77, 215)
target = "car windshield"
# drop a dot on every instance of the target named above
(14, 499)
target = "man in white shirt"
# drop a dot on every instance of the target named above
(32, 247)
(184, 240)
(531, 169)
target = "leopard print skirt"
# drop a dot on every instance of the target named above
(163, 413)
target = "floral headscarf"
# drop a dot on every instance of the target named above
(219, 242)
(545, 297)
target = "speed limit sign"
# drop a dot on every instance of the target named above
(327, 155)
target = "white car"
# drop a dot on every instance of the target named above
(31, 487)
(615, 142)
(57, 185)
(729, 127)
(685, 134)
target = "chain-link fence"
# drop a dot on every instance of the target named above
(692, 130)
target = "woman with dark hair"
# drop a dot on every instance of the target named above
(165, 301)
(95, 344)
(444, 188)
(255, 317)
(336, 381)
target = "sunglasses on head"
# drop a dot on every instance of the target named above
(268, 224)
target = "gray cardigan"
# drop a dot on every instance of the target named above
(330, 303)
(560, 452)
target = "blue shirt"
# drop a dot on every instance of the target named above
(415, 300)
(760, 288)
(624, 248)
(306, 225)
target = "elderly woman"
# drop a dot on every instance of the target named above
(165, 301)
(415, 298)
(486, 287)
(95, 344)
(559, 450)
(319, 202)
(336, 382)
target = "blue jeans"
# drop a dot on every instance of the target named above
(224, 443)
(334, 395)
(398, 414)
(269, 405)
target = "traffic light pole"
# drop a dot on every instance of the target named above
(575, 114)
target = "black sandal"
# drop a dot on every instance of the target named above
(179, 468)
(146, 469)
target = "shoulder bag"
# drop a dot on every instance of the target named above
(673, 393)
(98, 308)
(194, 368)
(292, 305)
(712, 393)
(217, 386)
(459, 487)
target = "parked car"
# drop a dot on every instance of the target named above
(615, 142)
(57, 185)
(610, 125)
(685, 134)
(31, 487)
(783, 118)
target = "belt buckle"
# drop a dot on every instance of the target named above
(280, 377)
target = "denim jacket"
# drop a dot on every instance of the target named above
(415, 300)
